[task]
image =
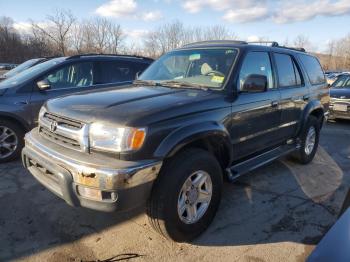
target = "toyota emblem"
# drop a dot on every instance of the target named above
(53, 126)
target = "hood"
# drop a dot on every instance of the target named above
(132, 106)
(343, 93)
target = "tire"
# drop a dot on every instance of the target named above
(162, 208)
(15, 140)
(305, 155)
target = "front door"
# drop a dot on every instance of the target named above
(255, 116)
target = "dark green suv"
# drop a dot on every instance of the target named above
(199, 114)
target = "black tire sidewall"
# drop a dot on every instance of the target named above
(20, 138)
(204, 161)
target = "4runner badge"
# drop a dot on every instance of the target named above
(53, 126)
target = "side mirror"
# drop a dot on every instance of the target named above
(138, 74)
(43, 85)
(255, 83)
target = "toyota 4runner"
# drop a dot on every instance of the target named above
(199, 114)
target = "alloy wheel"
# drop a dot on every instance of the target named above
(8, 142)
(195, 197)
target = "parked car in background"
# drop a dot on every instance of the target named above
(199, 114)
(7, 66)
(331, 77)
(22, 95)
(340, 98)
(27, 64)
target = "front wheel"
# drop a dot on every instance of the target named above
(309, 141)
(186, 195)
(11, 141)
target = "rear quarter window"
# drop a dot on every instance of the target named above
(313, 69)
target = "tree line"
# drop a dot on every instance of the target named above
(61, 34)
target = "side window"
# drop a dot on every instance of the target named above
(256, 63)
(313, 69)
(288, 73)
(73, 75)
(114, 72)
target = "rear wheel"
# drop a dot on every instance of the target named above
(11, 141)
(309, 141)
(186, 195)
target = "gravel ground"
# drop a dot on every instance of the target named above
(276, 213)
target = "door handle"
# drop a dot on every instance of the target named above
(274, 103)
(306, 97)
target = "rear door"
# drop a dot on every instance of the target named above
(294, 93)
(255, 116)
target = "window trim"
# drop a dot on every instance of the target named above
(273, 72)
(295, 64)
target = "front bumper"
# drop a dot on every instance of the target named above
(67, 173)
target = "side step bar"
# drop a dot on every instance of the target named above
(242, 168)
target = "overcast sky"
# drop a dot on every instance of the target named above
(320, 20)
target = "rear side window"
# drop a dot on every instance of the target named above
(288, 73)
(313, 69)
(115, 71)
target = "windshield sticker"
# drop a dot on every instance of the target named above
(195, 57)
(229, 52)
(218, 79)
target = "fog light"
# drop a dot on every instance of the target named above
(91, 193)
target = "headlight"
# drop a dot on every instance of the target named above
(42, 112)
(116, 139)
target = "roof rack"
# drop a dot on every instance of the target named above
(264, 43)
(235, 42)
(275, 44)
(116, 55)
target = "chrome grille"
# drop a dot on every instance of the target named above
(63, 131)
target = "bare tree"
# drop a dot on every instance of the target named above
(173, 35)
(302, 41)
(57, 29)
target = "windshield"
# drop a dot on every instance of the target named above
(342, 82)
(197, 67)
(29, 73)
(21, 67)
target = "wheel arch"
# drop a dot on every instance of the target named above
(13, 118)
(314, 108)
(212, 137)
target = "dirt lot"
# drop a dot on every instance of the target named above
(278, 213)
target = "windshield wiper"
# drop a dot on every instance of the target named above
(145, 83)
(174, 83)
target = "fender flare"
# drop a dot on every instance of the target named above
(183, 136)
(311, 107)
